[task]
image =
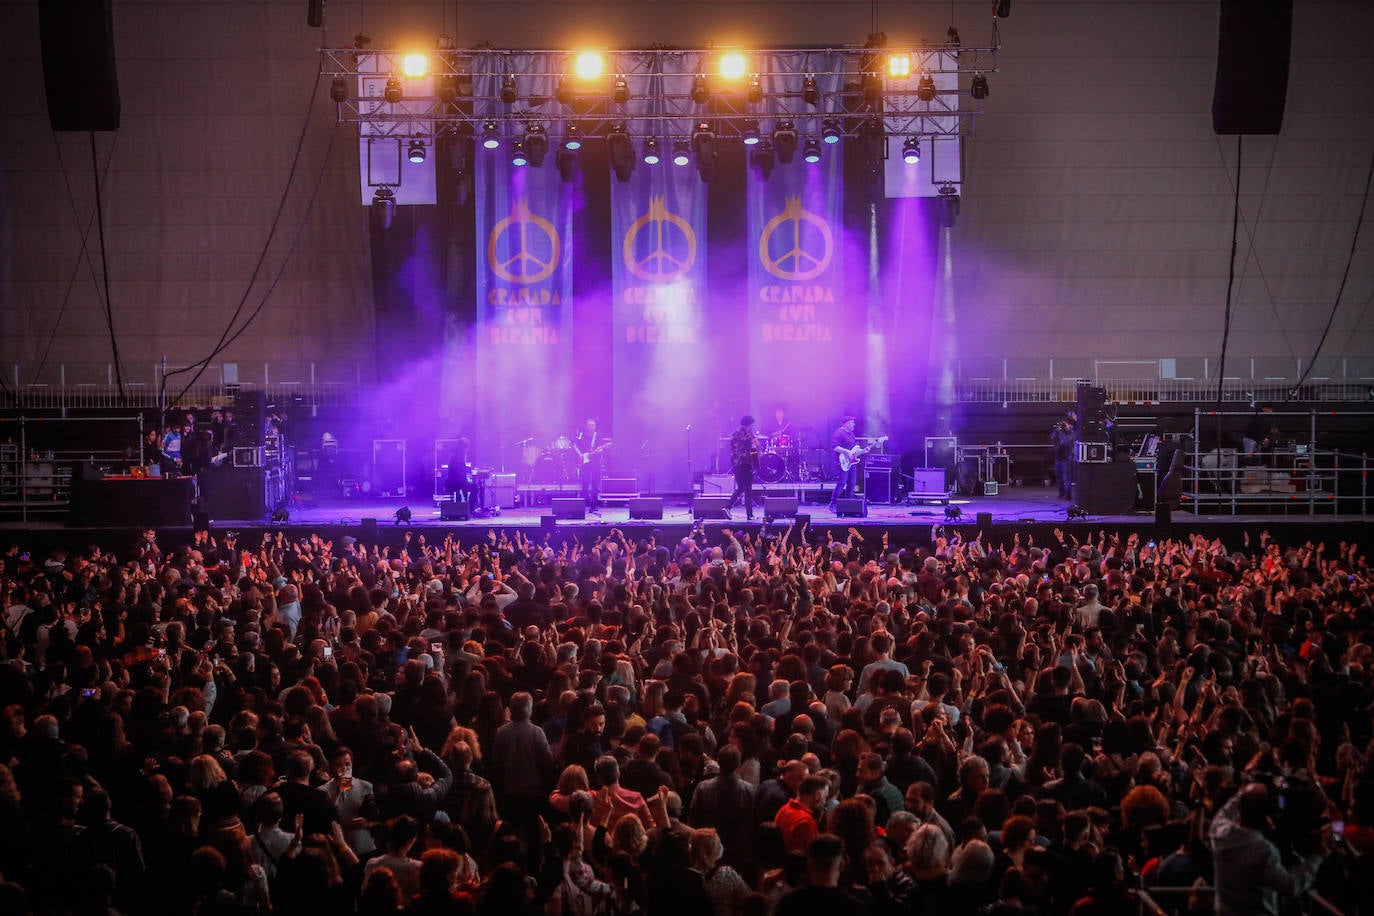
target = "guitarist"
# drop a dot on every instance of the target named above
(589, 444)
(842, 440)
(744, 460)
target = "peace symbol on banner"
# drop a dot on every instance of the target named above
(674, 245)
(528, 260)
(807, 255)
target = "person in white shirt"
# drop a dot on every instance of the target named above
(1086, 614)
(355, 800)
(881, 644)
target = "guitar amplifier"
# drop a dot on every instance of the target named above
(878, 484)
(878, 462)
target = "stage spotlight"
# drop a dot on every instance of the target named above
(701, 93)
(589, 65)
(445, 43)
(811, 92)
(911, 150)
(416, 152)
(564, 93)
(979, 87)
(384, 205)
(622, 151)
(811, 152)
(681, 152)
(925, 89)
(338, 90)
(620, 93)
(1077, 512)
(899, 66)
(536, 144)
(733, 65)
(403, 515)
(785, 141)
(518, 157)
(393, 92)
(415, 66)
(568, 162)
(491, 135)
(447, 89)
(953, 512)
(755, 94)
(509, 91)
(761, 158)
(280, 514)
(751, 133)
(952, 37)
(651, 156)
(572, 139)
(830, 130)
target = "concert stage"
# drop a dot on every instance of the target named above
(1031, 512)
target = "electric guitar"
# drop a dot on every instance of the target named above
(587, 456)
(850, 456)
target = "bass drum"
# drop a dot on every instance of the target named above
(550, 469)
(772, 467)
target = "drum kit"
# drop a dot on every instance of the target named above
(782, 459)
(555, 463)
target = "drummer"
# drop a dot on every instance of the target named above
(782, 427)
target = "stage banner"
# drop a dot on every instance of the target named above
(798, 325)
(524, 300)
(658, 223)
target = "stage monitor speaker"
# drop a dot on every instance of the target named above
(1253, 48)
(367, 532)
(878, 485)
(984, 519)
(454, 510)
(851, 507)
(647, 507)
(1106, 489)
(711, 507)
(568, 508)
(200, 520)
(79, 72)
(1163, 514)
(780, 507)
(803, 520)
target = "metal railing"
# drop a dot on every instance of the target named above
(1161, 391)
(36, 479)
(1299, 477)
(83, 386)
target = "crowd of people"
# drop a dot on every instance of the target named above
(731, 723)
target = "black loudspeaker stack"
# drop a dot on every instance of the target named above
(1106, 489)
(568, 508)
(711, 507)
(984, 519)
(453, 510)
(878, 485)
(1253, 49)
(646, 508)
(79, 64)
(780, 507)
(851, 507)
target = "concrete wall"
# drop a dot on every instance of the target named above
(1096, 220)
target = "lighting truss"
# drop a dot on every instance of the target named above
(660, 89)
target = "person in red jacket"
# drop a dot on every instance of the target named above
(796, 820)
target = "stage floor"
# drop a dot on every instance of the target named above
(1025, 505)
